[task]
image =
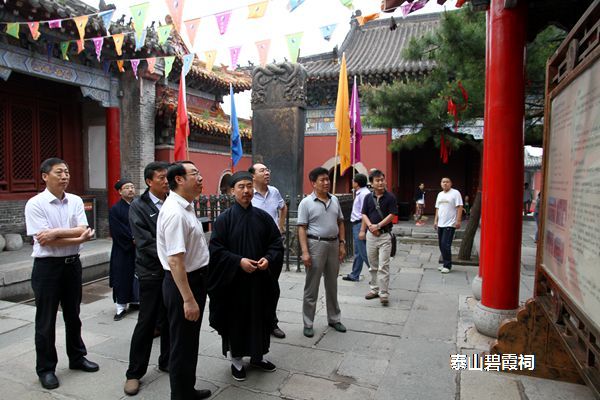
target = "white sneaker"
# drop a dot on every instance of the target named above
(441, 267)
(445, 271)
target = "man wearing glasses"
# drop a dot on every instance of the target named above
(183, 253)
(268, 198)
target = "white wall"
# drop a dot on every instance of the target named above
(97, 157)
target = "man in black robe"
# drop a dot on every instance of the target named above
(122, 256)
(246, 256)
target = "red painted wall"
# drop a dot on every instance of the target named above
(212, 166)
(374, 154)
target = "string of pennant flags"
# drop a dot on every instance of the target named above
(139, 13)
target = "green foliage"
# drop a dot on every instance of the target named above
(458, 49)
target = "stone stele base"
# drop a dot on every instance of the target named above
(488, 320)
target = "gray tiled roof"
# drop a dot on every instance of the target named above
(374, 49)
(532, 162)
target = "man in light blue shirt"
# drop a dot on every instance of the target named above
(359, 184)
(268, 198)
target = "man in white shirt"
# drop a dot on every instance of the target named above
(359, 184)
(183, 252)
(448, 214)
(58, 224)
(268, 198)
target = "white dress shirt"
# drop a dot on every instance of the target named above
(358, 204)
(179, 231)
(46, 211)
(272, 202)
(155, 200)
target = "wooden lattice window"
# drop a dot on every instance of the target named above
(29, 133)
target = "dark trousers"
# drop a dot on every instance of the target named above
(360, 252)
(184, 334)
(276, 274)
(54, 282)
(445, 237)
(152, 314)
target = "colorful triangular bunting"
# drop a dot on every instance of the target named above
(34, 28)
(163, 33)
(327, 31)
(118, 39)
(106, 17)
(12, 29)
(134, 66)
(223, 21)
(64, 47)
(293, 4)
(234, 54)
(211, 56)
(257, 10)
(55, 24)
(192, 29)
(98, 42)
(293, 42)
(139, 13)
(187, 62)
(81, 22)
(151, 62)
(168, 65)
(263, 50)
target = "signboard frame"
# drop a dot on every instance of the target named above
(578, 330)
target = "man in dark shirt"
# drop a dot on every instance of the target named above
(377, 214)
(143, 215)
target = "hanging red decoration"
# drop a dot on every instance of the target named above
(454, 109)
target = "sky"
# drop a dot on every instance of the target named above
(277, 22)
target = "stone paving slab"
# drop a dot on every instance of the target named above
(309, 388)
(433, 316)
(419, 370)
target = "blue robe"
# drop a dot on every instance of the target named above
(122, 256)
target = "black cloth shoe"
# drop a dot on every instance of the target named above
(120, 316)
(238, 375)
(278, 333)
(264, 365)
(49, 380)
(349, 278)
(202, 394)
(84, 365)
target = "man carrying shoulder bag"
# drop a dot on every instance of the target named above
(377, 215)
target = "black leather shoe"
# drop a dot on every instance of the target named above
(84, 365)
(49, 380)
(119, 316)
(349, 278)
(264, 365)
(202, 394)
(278, 333)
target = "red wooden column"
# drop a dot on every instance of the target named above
(113, 153)
(477, 281)
(502, 166)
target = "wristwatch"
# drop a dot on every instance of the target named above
(342, 241)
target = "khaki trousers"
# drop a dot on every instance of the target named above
(378, 252)
(325, 261)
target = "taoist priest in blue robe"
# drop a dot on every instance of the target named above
(122, 256)
(246, 254)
